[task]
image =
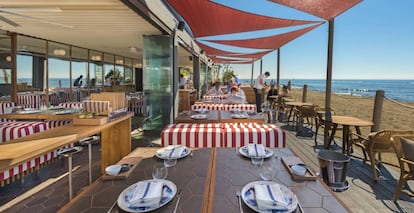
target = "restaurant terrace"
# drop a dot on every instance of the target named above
(125, 106)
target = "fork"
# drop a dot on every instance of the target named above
(178, 201)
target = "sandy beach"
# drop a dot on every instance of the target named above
(394, 115)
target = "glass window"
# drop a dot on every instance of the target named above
(59, 66)
(95, 67)
(109, 67)
(5, 67)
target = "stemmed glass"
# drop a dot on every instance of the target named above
(159, 171)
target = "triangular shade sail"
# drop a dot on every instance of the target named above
(269, 42)
(256, 55)
(214, 51)
(207, 18)
(326, 9)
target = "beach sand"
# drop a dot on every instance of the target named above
(394, 116)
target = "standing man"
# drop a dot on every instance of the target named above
(258, 86)
(78, 81)
(182, 82)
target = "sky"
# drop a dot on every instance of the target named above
(372, 40)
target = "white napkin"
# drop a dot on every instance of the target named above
(173, 151)
(146, 194)
(256, 150)
(270, 197)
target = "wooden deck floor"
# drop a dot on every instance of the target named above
(363, 195)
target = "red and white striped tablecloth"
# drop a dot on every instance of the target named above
(16, 129)
(57, 123)
(72, 105)
(207, 106)
(245, 107)
(191, 135)
(29, 100)
(209, 97)
(4, 105)
(136, 106)
(96, 106)
(238, 135)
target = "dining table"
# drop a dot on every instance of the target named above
(295, 104)
(346, 122)
(208, 180)
(200, 116)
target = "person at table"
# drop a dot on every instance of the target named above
(182, 82)
(284, 92)
(272, 92)
(216, 90)
(78, 81)
(234, 96)
(259, 85)
(228, 86)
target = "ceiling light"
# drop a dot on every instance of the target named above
(96, 58)
(119, 61)
(132, 49)
(8, 58)
(59, 52)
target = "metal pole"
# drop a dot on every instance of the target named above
(90, 161)
(251, 79)
(261, 66)
(328, 84)
(70, 176)
(278, 70)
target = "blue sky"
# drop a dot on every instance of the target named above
(373, 40)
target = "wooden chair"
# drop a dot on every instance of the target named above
(404, 149)
(376, 142)
(320, 121)
(304, 112)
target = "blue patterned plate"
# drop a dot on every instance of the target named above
(248, 197)
(185, 153)
(245, 152)
(168, 193)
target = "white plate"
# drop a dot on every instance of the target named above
(199, 116)
(56, 107)
(28, 112)
(185, 153)
(245, 152)
(239, 116)
(63, 112)
(202, 110)
(236, 111)
(169, 190)
(248, 197)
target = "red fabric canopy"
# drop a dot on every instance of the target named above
(214, 51)
(256, 55)
(326, 9)
(207, 18)
(270, 42)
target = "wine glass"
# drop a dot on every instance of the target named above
(159, 171)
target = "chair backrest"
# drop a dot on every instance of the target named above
(382, 139)
(407, 146)
(307, 111)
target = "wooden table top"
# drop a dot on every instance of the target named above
(350, 121)
(25, 148)
(39, 116)
(185, 117)
(298, 104)
(209, 180)
(227, 117)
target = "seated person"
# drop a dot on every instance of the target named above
(234, 97)
(229, 85)
(272, 92)
(216, 90)
(284, 92)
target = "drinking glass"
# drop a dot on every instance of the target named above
(256, 160)
(170, 162)
(266, 172)
(159, 171)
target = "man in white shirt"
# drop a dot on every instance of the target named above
(216, 90)
(258, 86)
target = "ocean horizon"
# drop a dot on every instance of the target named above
(400, 90)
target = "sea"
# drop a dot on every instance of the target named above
(399, 90)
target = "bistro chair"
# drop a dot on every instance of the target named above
(304, 112)
(404, 149)
(320, 121)
(376, 142)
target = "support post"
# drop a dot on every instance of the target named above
(376, 117)
(328, 119)
(304, 93)
(278, 70)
